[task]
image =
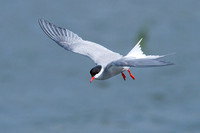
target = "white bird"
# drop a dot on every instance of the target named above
(108, 63)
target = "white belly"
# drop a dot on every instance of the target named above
(112, 71)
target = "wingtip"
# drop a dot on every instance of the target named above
(166, 63)
(40, 20)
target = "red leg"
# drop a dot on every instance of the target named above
(123, 75)
(131, 74)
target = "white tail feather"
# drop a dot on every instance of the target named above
(137, 52)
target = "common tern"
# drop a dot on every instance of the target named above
(108, 63)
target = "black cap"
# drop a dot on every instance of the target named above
(95, 70)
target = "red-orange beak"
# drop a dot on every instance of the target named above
(92, 79)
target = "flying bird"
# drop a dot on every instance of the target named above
(108, 63)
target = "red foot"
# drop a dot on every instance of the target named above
(123, 75)
(131, 74)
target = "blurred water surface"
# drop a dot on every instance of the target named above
(45, 89)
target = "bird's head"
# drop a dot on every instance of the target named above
(96, 72)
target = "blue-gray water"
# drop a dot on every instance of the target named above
(45, 89)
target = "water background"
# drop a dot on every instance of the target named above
(46, 89)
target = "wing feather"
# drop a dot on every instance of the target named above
(142, 62)
(72, 42)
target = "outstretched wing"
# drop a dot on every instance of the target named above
(141, 62)
(72, 42)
